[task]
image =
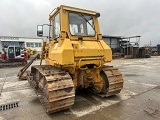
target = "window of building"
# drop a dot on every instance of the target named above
(32, 44)
(37, 45)
(29, 44)
(40, 44)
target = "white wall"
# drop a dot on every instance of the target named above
(33, 43)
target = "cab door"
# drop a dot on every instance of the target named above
(11, 52)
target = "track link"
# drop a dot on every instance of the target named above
(53, 86)
(113, 80)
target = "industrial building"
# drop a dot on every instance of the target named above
(113, 42)
(24, 42)
(127, 47)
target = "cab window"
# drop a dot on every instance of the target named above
(81, 24)
(56, 26)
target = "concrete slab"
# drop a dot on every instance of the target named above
(141, 78)
(145, 106)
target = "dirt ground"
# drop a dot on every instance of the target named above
(140, 98)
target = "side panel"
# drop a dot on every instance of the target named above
(66, 52)
(108, 51)
(92, 49)
(60, 53)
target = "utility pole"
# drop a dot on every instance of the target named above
(150, 47)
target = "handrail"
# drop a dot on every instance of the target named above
(20, 73)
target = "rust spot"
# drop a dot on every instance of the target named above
(68, 90)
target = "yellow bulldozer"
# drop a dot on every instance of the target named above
(75, 56)
(30, 52)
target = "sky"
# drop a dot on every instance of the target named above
(118, 17)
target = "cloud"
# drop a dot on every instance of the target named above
(118, 18)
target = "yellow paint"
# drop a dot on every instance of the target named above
(76, 55)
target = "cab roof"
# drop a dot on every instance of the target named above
(74, 9)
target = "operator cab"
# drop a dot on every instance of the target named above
(15, 52)
(68, 22)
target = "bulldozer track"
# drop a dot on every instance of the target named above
(53, 86)
(113, 79)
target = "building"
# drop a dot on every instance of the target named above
(113, 42)
(130, 46)
(23, 42)
(127, 47)
(158, 48)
